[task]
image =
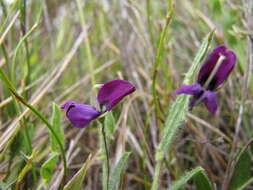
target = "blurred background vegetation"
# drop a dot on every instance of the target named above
(57, 50)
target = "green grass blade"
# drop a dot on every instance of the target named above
(115, 177)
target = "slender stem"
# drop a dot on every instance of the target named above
(50, 127)
(149, 17)
(106, 154)
(3, 8)
(87, 43)
(156, 176)
(17, 48)
(6, 57)
(23, 29)
(158, 58)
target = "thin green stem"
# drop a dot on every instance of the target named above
(87, 43)
(6, 57)
(107, 155)
(50, 127)
(158, 58)
(23, 122)
(18, 47)
(3, 8)
(23, 29)
(149, 17)
(157, 174)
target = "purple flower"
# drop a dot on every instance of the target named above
(212, 75)
(109, 95)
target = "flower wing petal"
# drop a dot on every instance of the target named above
(112, 92)
(210, 63)
(225, 68)
(80, 115)
(192, 89)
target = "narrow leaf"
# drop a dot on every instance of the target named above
(115, 177)
(56, 124)
(110, 124)
(242, 173)
(47, 169)
(76, 182)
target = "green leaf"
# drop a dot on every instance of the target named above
(56, 124)
(47, 169)
(76, 182)
(196, 174)
(110, 124)
(202, 181)
(242, 173)
(115, 177)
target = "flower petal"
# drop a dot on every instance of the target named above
(112, 92)
(210, 63)
(225, 69)
(210, 101)
(80, 115)
(192, 89)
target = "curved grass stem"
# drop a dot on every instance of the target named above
(49, 126)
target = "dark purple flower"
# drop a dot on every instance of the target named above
(212, 75)
(109, 95)
(80, 115)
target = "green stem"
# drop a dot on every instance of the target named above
(3, 8)
(50, 127)
(107, 156)
(23, 39)
(149, 17)
(87, 43)
(157, 174)
(6, 57)
(158, 58)
(23, 28)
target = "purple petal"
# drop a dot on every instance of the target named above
(211, 101)
(192, 89)
(210, 63)
(112, 92)
(223, 71)
(80, 115)
(225, 68)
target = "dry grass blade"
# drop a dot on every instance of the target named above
(42, 92)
